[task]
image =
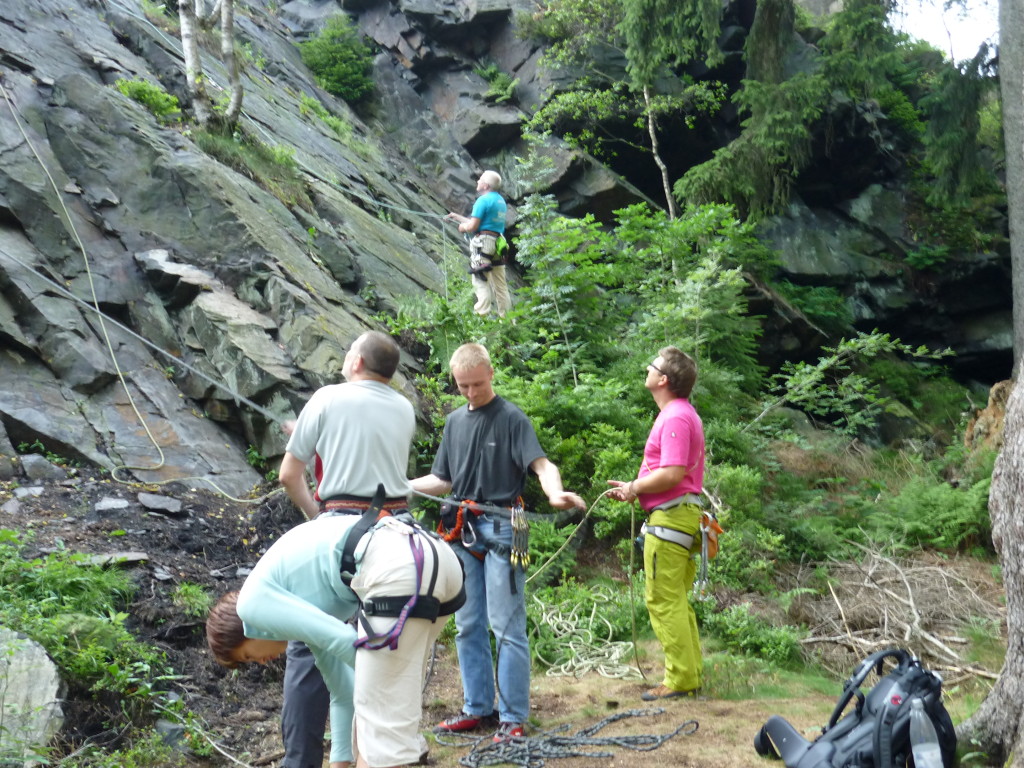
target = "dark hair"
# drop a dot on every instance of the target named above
(380, 353)
(680, 369)
(224, 631)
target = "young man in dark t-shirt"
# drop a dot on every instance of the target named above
(487, 449)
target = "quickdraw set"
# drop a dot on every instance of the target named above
(520, 554)
(457, 525)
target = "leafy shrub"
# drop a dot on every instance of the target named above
(72, 609)
(340, 60)
(146, 749)
(938, 515)
(545, 541)
(503, 85)
(163, 105)
(927, 257)
(743, 632)
(742, 485)
(566, 20)
(901, 112)
(823, 305)
(747, 557)
(193, 599)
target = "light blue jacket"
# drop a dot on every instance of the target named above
(295, 592)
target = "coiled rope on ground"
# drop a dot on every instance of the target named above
(534, 751)
(582, 640)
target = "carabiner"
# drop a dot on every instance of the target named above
(468, 541)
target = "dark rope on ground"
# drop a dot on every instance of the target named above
(533, 751)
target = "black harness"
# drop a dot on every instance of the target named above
(426, 605)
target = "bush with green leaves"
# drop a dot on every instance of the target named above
(193, 599)
(145, 749)
(743, 632)
(163, 105)
(822, 304)
(74, 610)
(340, 59)
(502, 85)
(748, 557)
(936, 514)
(835, 388)
(552, 555)
(928, 257)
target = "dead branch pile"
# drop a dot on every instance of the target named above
(884, 602)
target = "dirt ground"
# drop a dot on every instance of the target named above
(211, 538)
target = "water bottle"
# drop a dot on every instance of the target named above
(924, 742)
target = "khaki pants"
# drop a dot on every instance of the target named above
(491, 289)
(387, 697)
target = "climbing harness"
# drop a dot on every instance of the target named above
(684, 540)
(456, 523)
(389, 639)
(534, 751)
(400, 607)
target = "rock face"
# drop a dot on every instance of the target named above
(860, 249)
(161, 311)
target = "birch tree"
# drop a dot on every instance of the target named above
(194, 17)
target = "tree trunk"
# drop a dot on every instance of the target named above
(1011, 79)
(652, 129)
(227, 52)
(193, 64)
(997, 728)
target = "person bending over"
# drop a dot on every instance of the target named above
(297, 591)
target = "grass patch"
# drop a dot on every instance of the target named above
(161, 16)
(193, 599)
(273, 168)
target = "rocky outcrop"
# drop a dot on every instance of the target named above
(31, 691)
(161, 310)
(860, 248)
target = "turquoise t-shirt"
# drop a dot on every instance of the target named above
(490, 208)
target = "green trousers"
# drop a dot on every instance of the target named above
(670, 571)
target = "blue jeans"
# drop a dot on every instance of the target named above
(492, 605)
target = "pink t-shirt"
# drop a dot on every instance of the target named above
(676, 440)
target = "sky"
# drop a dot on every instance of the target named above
(968, 24)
